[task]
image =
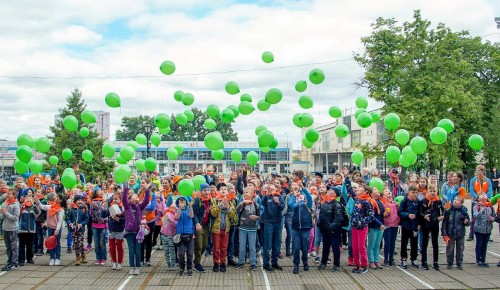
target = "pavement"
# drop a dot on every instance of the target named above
(90, 276)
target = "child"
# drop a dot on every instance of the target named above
(185, 229)
(302, 224)
(453, 231)
(431, 214)
(116, 225)
(362, 216)
(27, 228)
(77, 218)
(55, 218)
(149, 215)
(201, 209)
(159, 211)
(3, 192)
(99, 226)
(408, 213)
(329, 223)
(168, 230)
(248, 212)
(484, 215)
(233, 231)
(40, 224)
(375, 230)
(391, 222)
(10, 212)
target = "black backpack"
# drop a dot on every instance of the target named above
(345, 216)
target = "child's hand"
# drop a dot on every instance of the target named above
(440, 218)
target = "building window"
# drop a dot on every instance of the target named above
(326, 142)
(356, 138)
(347, 121)
(382, 133)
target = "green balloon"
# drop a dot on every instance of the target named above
(164, 131)
(132, 144)
(232, 88)
(127, 153)
(112, 100)
(267, 57)
(438, 135)
(42, 144)
(172, 153)
(218, 154)
(305, 102)
(20, 167)
(235, 110)
(409, 155)
(359, 112)
(306, 142)
(120, 160)
(213, 141)
(246, 108)
(274, 144)
(25, 139)
(391, 121)
(341, 130)
(301, 86)
(155, 139)
(404, 162)
(88, 117)
(265, 149)
(361, 103)
(263, 106)
(178, 95)
(167, 67)
(69, 169)
(198, 180)
(213, 111)
(181, 119)
(236, 155)
(187, 99)
(53, 160)
(179, 148)
(24, 153)
(447, 125)
(70, 123)
(252, 158)
(316, 76)
(399, 198)
(108, 150)
(476, 142)
(306, 120)
(227, 115)
(186, 187)
(364, 120)
(210, 124)
(265, 138)
(259, 129)
(36, 166)
(375, 117)
(418, 145)
(87, 155)
(402, 137)
(273, 96)
(140, 165)
(296, 120)
(312, 135)
(377, 183)
(68, 179)
(150, 164)
(189, 115)
(246, 98)
(122, 173)
(162, 121)
(392, 154)
(357, 157)
(335, 112)
(140, 139)
(84, 132)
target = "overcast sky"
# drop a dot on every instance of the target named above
(71, 42)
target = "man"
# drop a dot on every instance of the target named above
(480, 184)
(495, 178)
(318, 179)
(273, 204)
(366, 175)
(201, 209)
(76, 168)
(394, 183)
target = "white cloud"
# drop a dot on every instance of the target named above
(75, 34)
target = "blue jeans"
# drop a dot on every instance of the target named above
(55, 253)
(100, 239)
(288, 240)
(390, 235)
(231, 241)
(251, 237)
(41, 233)
(481, 246)
(69, 241)
(318, 237)
(272, 241)
(300, 242)
(374, 239)
(134, 250)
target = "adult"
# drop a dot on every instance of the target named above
(495, 178)
(395, 185)
(366, 175)
(330, 225)
(273, 204)
(479, 185)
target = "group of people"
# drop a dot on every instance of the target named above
(237, 218)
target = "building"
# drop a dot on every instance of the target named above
(102, 125)
(330, 153)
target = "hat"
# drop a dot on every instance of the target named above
(176, 179)
(155, 173)
(77, 198)
(394, 170)
(318, 174)
(338, 173)
(222, 184)
(203, 186)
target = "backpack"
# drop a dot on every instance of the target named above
(345, 216)
(96, 213)
(243, 209)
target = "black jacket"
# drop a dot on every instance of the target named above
(453, 223)
(435, 209)
(330, 217)
(406, 208)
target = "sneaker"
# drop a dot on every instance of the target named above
(253, 268)
(363, 270)
(280, 255)
(355, 270)
(470, 239)
(296, 269)
(335, 269)
(268, 268)
(386, 264)
(425, 266)
(148, 263)
(57, 262)
(31, 262)
(97, 262)
(114, 266)
(69, 251)
(329, 261)
(103, 262)
(306, 267)
(215, 268)
(239, 266)
(21, 264)
(483, 265)
(39, 253)
(231, 262)
(277, 267)
(372, 266)
(414, 264)
(321, 267)
(449, 266)
(313, 253)
(190, 272)
(391, 263)
(160, 247)
(498, 264)
(199, 268)
(88, 247)
(436, 266)
(118, 267)
(350, 261)
(156, 247)
(460, 267)
(222, 268)
(52, 262)
(181, 272)
(404, 265)
(137, 271)
(379, 266)
(317, 260)
(131, 271)
(10, 267)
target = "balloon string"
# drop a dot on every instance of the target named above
(451, 152)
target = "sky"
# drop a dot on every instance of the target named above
(48, 48)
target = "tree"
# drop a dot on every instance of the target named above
(194, 130)
(426, 74)
(62, 138)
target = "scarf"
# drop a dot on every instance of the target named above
(384, 201)
(7, 203)
(327, 198)
(56, 182)
(481, 186)
(74, 205)
(4, 190)
(202, 198)
(27, 203)
(222, 197)
(431, 200)
(422, 190)
(486, 204)
(54, 208)
(231, 196)
(375, 206)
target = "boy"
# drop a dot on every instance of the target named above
(185, 229)
(408, 212)
(248, 214)
(431, 214)
(201, 209)
(10, 212)
(222, 211)
(453, 231)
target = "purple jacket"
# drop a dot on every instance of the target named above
(133, 212)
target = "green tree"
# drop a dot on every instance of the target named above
(62, 138)
(192, 131)
(426, 74)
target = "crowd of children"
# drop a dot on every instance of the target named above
(237, 219)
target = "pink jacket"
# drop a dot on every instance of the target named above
(392, 220)
(169, 229)
(160, 209)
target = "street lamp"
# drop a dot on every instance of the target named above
(147, 130)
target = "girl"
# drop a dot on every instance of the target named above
(484, 215)
(362, 216)
(376, 230)
(27, 228)
(168, 230)
(149, 215)
(330, 224)
(391, 222)
(422, 188)
(248, 212)
(185, 229)
(318, 237)
(55, 218)
(312, 234)
(159, 211)
(116, 225)
(133, 216)
(99, 226)
(77, 218)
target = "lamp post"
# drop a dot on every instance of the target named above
(147, 130)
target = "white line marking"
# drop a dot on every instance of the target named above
(122, 286)
(1, 273)
(266, 279)
(413, 276)
(494, 254)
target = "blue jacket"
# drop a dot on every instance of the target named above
(473, 192)
(378, 218)
(76, 215)
(115, 226)
(27, 219)
(185, 225)
(301, 219)
(407, 207)
(272, 210)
